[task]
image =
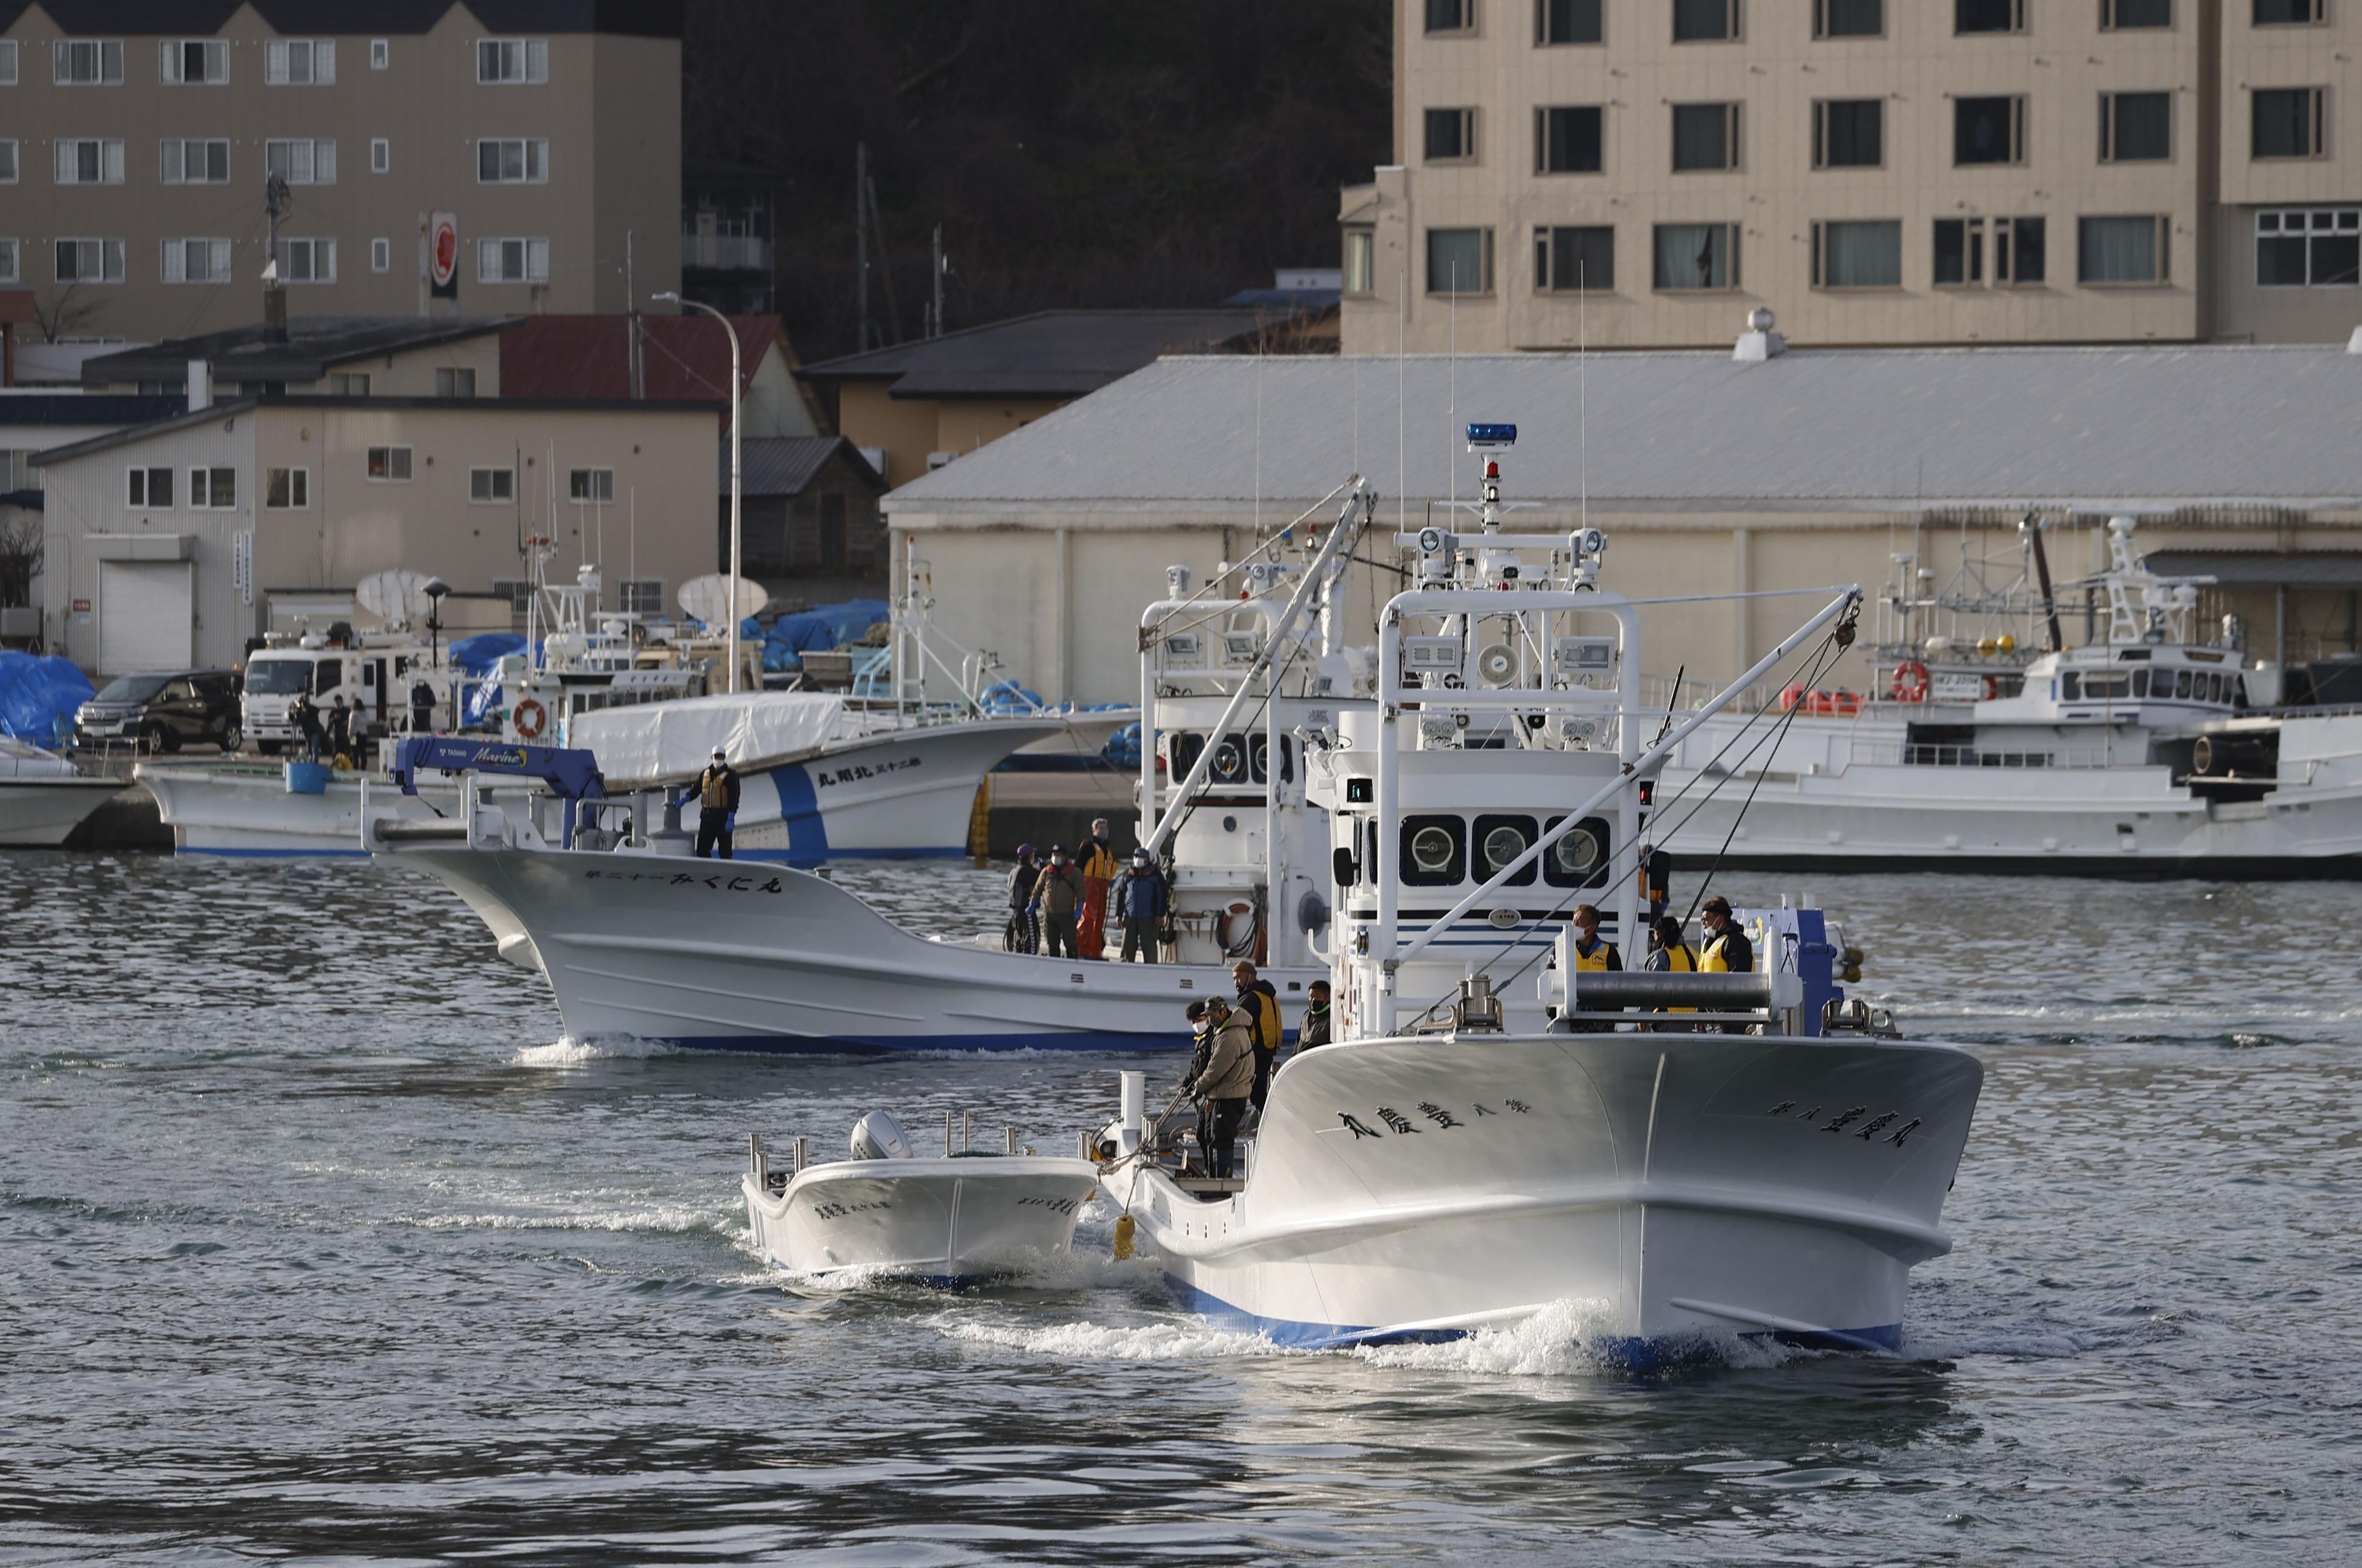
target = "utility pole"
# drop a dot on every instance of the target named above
(861, 246)
(935, 320)
(631, 324)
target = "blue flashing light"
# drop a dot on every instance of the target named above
(1492, 435)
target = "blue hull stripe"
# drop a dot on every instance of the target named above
(799, 814)
(1640, 1355)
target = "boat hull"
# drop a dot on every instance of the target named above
(40, 813)
(1677, 1187)
(731, 956)
(947, 1220)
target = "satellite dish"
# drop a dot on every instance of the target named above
(707, 597)
(396, 597)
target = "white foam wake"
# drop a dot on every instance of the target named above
(568, 1052)
(1103, 1342)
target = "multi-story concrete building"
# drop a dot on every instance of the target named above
(136, 138)
(1643, 172)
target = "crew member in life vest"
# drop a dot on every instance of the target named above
(1318, 1024)
(1259, 1006)
(1725, 949)
(1672, 955)
(1593, 952)
(1098, 866)
(1656, 880)
(717, 807)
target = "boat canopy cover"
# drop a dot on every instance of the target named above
(650, 742)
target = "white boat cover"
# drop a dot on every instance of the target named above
(651, 741)
(23, 759)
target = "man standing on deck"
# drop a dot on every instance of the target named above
(1725, 950)
(717, 807)
(1593, 952)
(1225, 1084)
(1099, 869)
(1259, 1006)
(1059, 891)
(1314, 1029)
(1140, 896)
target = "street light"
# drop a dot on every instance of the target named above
(668, 297)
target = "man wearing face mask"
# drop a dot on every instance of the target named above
(1725, 950)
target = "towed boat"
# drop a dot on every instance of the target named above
(43, 798)
(951, 1219)
(1500, 1127)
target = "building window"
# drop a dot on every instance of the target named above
(196, 260)
(299, 63)
(187, 161)
(519, 593)
(380, 155)
(2287, 121)
(307, 261)
(2125, 16)
(592, 487)
(1857, 255)
(1849, 133)
(1848, 19)
(1704, 21)
(1691, 256)
(1361, 261)
(380, 54)
(7, 162)
(349, 384)
(1459, 260)
(643, 595)
(87, 62)
(2315, 248)
(192, 62)
(2290, 12)
(513, 261)
(8, 264)
(1450, 136)
(287, 490)
(1705, 136)
(380, 255)
(1574, 261)
(150, 489)
(2114, 250)
(451, 383)
(1959, 251)
(213, 489)
(2136, 127)
(389, 465)
(1989, 15)
(7, 63)
(1988, 130)
(1567, 21)
(487, 486)
(301, 162)
(1451, 15)
(511, 60)
(89, 260)
(87, 161)
(512, 161)
(1567, 139)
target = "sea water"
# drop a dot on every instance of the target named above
(317, 1241)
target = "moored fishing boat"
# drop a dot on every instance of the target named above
(43, 797)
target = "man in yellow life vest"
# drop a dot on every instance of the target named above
(1593, 952)
(1673, 956)
(717, 807)
(1259, 1008)
(1098, 864)
(1726, 950)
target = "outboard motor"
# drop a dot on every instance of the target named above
(878, 1136)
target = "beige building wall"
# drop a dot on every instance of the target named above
(1776, 72)
(910, 429)
(609, 112)
(659, 528)
(409, 373)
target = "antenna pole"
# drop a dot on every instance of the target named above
(1583, 390)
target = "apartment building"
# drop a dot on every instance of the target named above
(138, 139)
(1645, 172)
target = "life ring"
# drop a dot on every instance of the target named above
(1910, 682)
(529, 718)
(1992, 688)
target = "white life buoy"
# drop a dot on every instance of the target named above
(529, 718)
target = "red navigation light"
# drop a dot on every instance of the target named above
(1492, 468)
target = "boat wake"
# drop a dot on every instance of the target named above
(1103, 1342)
(569, 1051)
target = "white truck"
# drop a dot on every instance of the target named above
(376, 680)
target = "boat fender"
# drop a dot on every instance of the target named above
(1124, 1228)
(530, 718)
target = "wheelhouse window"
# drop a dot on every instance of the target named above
(1499, 840)
(2309, 248)
(1579, 859)
(1849, 133)
(1434, 851)
(2136, 127)
(1568, 21)
(1695, 255)
(2123, 250)
(1574, 260)
(1567, 139)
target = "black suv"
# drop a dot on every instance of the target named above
(162, 712)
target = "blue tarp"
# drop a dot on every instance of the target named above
(477, 655)
(828, 627)
(39, 696)
(1122, 749)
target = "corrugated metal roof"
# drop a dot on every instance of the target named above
(785, 465)
(1844, 429)
(1052, 353)
(313, 344)
(589, 356)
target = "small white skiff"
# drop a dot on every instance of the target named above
(948, 1220)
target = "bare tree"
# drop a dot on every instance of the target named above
(20, 555)
(65, 313)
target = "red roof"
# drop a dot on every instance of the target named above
(683, 357)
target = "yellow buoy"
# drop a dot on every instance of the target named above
(1123, 1228)
(1987, 647)
(2007, 643)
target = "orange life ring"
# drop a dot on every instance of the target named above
(1910, 682)
(1992, 688)
(529, 718)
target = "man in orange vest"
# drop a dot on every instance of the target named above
(717, 807)
(1098, 868)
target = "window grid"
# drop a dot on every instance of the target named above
(307, 261)
(505, 61)
(300, 63)
(187, 160)
(87, 62)
(213, 489)
(490, 486)
(388, 465)
(88, 161)
(2309, 248)
(301, 160)
(513, 261)
(192, 62)
(287, 490)
(1569, 22)
(89, 262)
(195, 261)
(380, 255)
(511, 161)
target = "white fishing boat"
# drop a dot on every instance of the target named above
(1492, 1132)
(636, 941)
(950, 1220)
(42, 797)
(2142, 752)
